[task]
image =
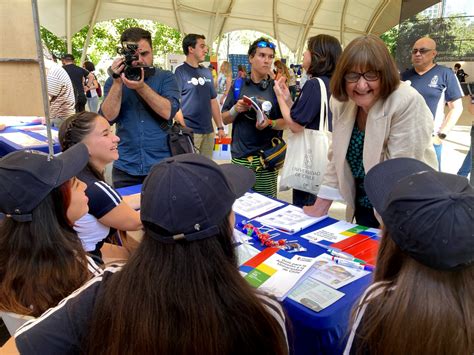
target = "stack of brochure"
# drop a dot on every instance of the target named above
(289, 219)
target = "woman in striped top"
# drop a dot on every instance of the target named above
(108, 212)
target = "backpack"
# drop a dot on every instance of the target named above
(99, 88)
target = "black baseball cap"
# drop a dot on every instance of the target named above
(28, 176)
(428, 214)
(188, 196)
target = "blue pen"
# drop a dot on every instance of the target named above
(352, 264)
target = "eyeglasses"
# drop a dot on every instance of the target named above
(353, 77)
(264, 44)
(421, 50)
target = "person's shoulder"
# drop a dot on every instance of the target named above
(87, 176)
(408, 73)
(404, 92)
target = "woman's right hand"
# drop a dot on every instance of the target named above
(282, 91)
(319, 209)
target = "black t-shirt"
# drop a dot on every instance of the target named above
(246, 138)
(76, 74)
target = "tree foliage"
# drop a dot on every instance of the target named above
(453, 36)
(106, 36)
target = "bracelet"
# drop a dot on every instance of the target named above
(272, 123)
(233, 112)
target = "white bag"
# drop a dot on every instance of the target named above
(307, 154)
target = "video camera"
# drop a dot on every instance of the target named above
(129, 53)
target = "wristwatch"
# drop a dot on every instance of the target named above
(441, 135)
(220, 128)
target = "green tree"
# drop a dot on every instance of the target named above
(106, 36)
(453, 36)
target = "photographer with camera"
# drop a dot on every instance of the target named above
(142, 100)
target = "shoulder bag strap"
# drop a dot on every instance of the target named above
(324, 111)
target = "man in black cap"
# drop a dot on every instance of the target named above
(78, 76)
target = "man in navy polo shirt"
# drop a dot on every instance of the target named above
(438, 85)
(142, 111)
(198, 95)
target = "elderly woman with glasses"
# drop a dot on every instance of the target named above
(376, 117)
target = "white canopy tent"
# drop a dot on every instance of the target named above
(289, 22)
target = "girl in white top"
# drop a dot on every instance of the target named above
(108, 212)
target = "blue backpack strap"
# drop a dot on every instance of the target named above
(237, 87)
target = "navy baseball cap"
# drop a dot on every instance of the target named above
(189, 195)
(28, 176)
(428, 214)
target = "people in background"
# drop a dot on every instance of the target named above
(41, 258)
(90, 87)
(248, 135)
(460, 73)
(241, 71)
(375, 118)
(224, 81)
(281, 71)
(208, 309)
(421, 300)
(438, 86)
(199, 104)
(143, 111)
(60, 90)
(78, 77)
(108, 212)
(292, 83)
(319, 61)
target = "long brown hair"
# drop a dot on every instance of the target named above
(182, 298)
(41, 261)
(420, 311)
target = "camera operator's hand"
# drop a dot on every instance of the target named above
(117, 68)
(132, 84)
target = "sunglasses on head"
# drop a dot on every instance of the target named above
(264, 44)
(421, 50)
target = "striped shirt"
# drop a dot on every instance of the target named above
(61, 93)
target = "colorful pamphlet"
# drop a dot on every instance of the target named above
(275, 271)
(245, 251)
(334, 232)
(334, 274)
(289, 219)
(314, 294)
(252, 205)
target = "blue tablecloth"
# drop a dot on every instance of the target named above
(313, 332)
(7, 146)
